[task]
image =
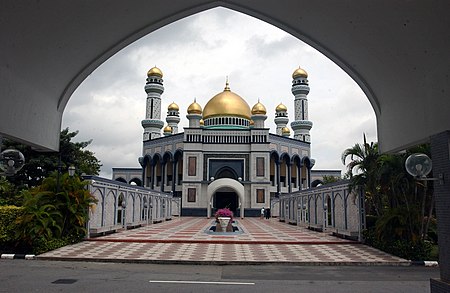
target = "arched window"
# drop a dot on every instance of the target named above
(329, 211)
(120, 209)
(226, 172)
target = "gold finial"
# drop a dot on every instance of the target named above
(227, 85)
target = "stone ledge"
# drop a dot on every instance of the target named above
(17, 256)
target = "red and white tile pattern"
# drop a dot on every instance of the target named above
(185, 240)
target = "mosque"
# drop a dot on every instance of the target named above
(226, 157)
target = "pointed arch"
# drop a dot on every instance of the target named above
(285, 172)
(177, 172)
(156, 171)
(306, 172)
(136, 181)
(226, 172)
(274, 169)
(296, 172)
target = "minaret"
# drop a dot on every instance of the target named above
(194, 115)
(173, 117)
(285, 131)
(258, 115)
(281, 118)
(300, 90)
(167, 130)
(154, 88)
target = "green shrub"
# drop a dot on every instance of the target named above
(407, 249)
(42, 245)
(9, 194)
(52, 214)
(8, 226)
(371, 220)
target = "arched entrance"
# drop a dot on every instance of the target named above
(225, 198)
(223, 192)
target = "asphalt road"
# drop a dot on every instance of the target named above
(53, 276)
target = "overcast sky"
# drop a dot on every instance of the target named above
(195, 55)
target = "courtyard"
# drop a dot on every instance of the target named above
(188, 240)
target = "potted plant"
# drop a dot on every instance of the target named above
(224, 218)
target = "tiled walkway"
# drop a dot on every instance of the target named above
(186, 240)
(254, 231)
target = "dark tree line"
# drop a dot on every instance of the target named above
(39, 165)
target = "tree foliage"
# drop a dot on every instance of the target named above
(39, 165)
(362, 171)
(50, 214)
(330, 179)
(402, 205)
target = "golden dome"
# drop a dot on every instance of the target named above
(227, 103)
(202, 122)
(285, 130)
(155, 71)
(281, 108)
(259, 108)
(167, 129)
(299, 73)
(173, 107)
(252, 122)
(194, 108)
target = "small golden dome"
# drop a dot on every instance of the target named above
(259, 108)
(285, 130)
(252, 122)
(281, 108)
(155, 71)
(202, 122)
(227, 103)
(167, 129)
(173, 107)
(194, 108)
(299, 73)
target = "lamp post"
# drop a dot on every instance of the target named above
(419, 166)
(286, 213)
(325, 215)
(146, 211)
(71, 170)
(11, 161)
(150, 216)
(124, 207)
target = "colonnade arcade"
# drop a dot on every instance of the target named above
(164, 172)
(290, 173)
(287, 173)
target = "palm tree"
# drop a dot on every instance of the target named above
(401, 217)
(363, 172)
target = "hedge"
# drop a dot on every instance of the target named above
(8, 226)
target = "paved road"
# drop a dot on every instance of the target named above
(54, 276)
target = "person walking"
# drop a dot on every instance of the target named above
(262, 213)
(267, 211)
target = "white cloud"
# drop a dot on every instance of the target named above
(195, 55)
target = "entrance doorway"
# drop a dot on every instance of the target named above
(226, 200)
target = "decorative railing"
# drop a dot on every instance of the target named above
(330, 208)
(122, 206)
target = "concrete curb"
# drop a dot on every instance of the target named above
(223, 263)
(425, 263)
(17, 256)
